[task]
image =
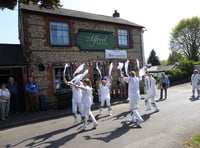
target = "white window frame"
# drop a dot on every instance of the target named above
(59, 34)
(123, 38)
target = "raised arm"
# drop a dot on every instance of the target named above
(81, 87)
(64, 79)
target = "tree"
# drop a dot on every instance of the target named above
(11, 4)
(174, 57)
(185, 38)
(153, 59)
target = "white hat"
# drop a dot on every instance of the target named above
(195, 70)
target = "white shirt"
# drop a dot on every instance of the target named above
(6, 93)
(151, 86)
(133, 88)
(87, 96)
(104, 91)
(76, 94)
(195, 80)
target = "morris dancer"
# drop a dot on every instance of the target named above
(195, 82)
(86, 103)
(104, 89)
(133, 95)
(151, 92)
(76, 100)
(76, 93)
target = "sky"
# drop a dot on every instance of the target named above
(158, 17)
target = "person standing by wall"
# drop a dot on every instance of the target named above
(4, 101)
(195, 82)
(133, 95)
(164, 83)
(31, 89)
(151, 92)
(14, 98)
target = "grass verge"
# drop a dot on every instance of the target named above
(193, 142)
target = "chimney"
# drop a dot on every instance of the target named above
(116, 14)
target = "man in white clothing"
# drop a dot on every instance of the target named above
(104, 89)
(151, 92)
(133, 95)
(195, 81)
(76, 100)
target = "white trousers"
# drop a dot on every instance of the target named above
(148, 98)
(136, 116)
(107, 100)
(76, 107)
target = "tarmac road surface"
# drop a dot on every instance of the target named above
(178, 119)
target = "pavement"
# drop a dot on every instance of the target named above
(29, 118)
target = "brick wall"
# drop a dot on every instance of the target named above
(36, 37)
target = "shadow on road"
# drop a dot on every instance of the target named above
(46, 139)
(147, 116)
(192, 99)
(109, 136)
(126, 126)
(43, 139)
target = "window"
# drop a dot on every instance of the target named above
(59, 85)
(123, 38)
(59, 33)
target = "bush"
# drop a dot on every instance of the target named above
(182, 73)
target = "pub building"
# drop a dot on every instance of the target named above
(51, 38)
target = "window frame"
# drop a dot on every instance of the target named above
(126, 37)
(68, 75)
(67, 35)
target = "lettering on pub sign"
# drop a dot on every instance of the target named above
(95, 40)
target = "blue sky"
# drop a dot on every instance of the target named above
(159, 18)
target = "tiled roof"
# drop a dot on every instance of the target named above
(160, 68)
(11, 55)
(81, 15)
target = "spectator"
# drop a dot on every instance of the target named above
(143, 89)
(31, 89)
(164, 83)
(4, 101)
(14, 98)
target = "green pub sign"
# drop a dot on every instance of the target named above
(95, 40)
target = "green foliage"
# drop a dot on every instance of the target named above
(164, 62)
(174, 57)
(10, 4)
(182, 73)
(185, 38)
(193, 142)
(48, 4)
(175, 74)
(153, 58)
(187, 66)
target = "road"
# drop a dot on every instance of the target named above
(178, 119)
